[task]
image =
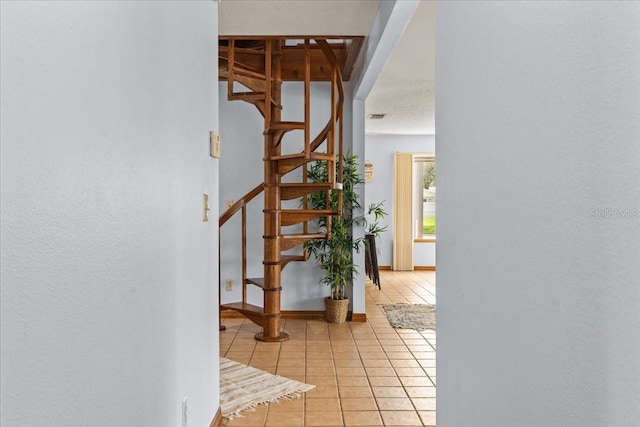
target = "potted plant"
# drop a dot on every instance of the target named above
(335, 254)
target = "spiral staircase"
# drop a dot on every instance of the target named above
(255, 69)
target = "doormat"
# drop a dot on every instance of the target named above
(244, 387)
(411, 316)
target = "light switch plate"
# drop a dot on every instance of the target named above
(205, 207)
(214, 144)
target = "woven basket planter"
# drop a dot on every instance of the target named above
(336, 310)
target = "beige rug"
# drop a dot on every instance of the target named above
(243, 387)
(411, 316)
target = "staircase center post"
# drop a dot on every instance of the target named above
(272, 205)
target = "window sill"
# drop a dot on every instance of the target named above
(426, 239)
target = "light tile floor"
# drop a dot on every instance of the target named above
(366, 374)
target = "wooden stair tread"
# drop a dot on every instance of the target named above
(319, 212)
(303, 236)
(301, 156)
(246, 96)
(287, 125)
(244, 307)
(291, 258)
(280, 127)
(305, 185)
(257, 51)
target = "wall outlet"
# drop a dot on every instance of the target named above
(229, 285)
(228, 204)
(184, 412)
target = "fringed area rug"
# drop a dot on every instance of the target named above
(243, 387)
(411, 316)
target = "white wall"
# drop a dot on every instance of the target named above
(241, 169)
(109, 302)
(538, 298)
(379, 151)
(354, 140)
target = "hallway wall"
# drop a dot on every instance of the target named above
(538, 297)
(109, 302)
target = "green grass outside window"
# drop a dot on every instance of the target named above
(429, 225)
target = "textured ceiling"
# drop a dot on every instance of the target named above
(404, 89)
(296, 17)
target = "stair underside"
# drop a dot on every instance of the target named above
(250, 311)
(246, 96)
(286, 259)
(258, 88)
(296, 216)
(256, 281)
(289, 241)
(256, 50)
(246, 72)
(254, 83)
(259, 103)
(293, 57)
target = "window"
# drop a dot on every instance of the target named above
(425, 195)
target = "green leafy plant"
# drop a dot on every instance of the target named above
(335, 254)
(429, 176)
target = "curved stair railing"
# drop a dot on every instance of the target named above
(259, 70)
